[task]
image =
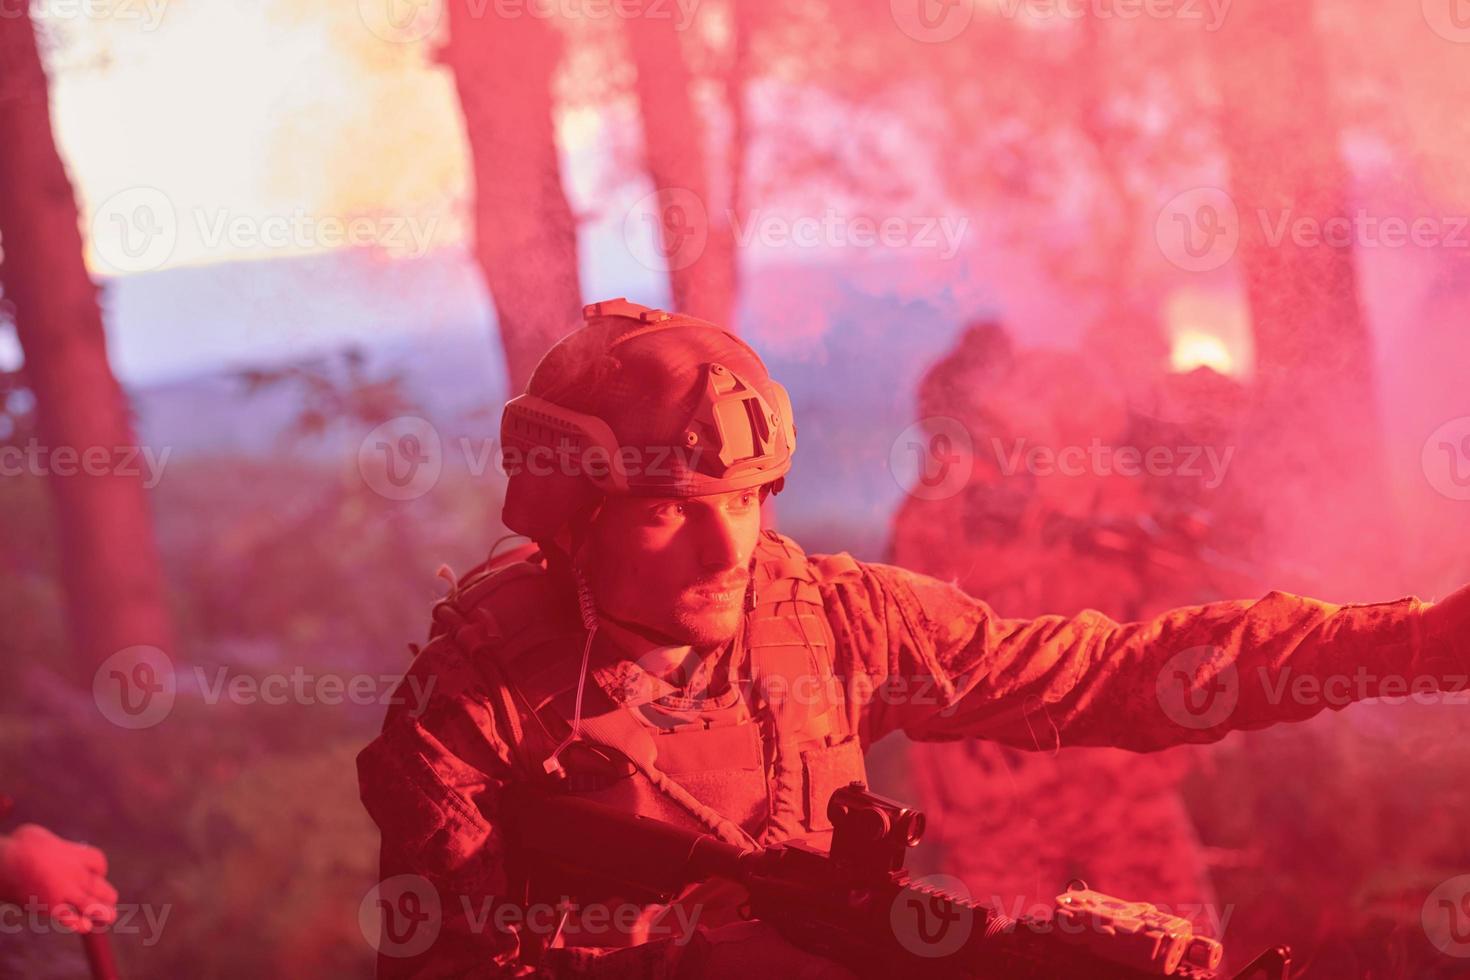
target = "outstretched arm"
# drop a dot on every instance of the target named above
(923, 657)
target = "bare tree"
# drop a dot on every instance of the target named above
(694, 227)
(525, 235)
(111, 572)
(1317, 432)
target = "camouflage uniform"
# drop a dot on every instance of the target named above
(831, 655)
(923, 657)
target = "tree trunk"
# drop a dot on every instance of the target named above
(111, 572)
(1316, 440)
(525, 238)
(694, 228)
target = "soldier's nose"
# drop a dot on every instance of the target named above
(719, 544)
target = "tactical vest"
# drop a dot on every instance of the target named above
(759, 766)
(767, 761)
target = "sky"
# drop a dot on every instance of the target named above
(217, 131)
(207, 132)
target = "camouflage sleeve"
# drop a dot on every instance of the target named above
(428, 781)
(921, 656)
(442, 906)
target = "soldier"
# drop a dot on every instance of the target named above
(1011, 824)
(663, 653)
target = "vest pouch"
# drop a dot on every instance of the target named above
(826, 769)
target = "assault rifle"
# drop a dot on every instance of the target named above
(857, 906)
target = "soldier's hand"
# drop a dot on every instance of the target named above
(67, 879)
(756, 949)
(1447, 628)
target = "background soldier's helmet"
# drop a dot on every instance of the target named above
(643, 402)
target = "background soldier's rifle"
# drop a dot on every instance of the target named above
(856, 905)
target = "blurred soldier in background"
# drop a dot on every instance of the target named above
(1035, 535)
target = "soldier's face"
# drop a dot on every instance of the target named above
(676, 565)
